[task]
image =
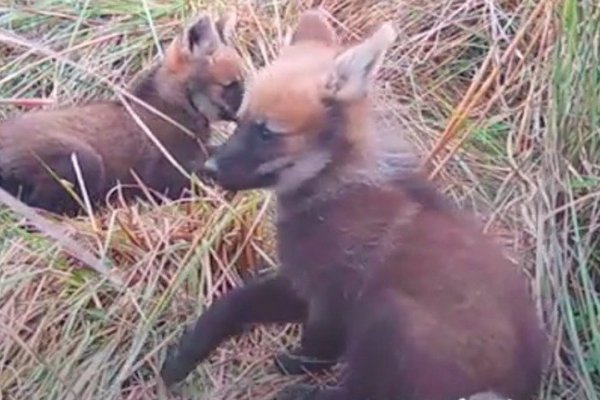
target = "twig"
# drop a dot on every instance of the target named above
(55, 232)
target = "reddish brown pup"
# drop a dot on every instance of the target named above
(198, 82)
(381, 270)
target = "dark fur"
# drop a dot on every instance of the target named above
(381, 270)
(108, 142)
(425, 307)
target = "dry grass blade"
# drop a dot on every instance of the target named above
(30, 103)
(60, 236)
(474, 95)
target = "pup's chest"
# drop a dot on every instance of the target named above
(319, 247)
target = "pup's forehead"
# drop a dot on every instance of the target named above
(291, 82)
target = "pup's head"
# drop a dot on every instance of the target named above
(202, 69)
(303, 111)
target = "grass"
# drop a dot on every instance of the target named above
(499, 97)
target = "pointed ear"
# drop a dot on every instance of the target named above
(356, 66)
(201, 38)
(226, 28)
(312, 25)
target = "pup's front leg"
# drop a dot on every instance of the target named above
(323, 336)
(263, 300)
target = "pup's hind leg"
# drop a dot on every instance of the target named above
(373, 355)
(397, 350)
(47, 193)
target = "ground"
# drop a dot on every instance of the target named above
(500, 98)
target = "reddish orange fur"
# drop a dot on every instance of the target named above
(110, 144)
(311, 28)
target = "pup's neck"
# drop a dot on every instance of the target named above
(367, 155)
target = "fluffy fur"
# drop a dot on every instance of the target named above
(198, 82)
(380, 269)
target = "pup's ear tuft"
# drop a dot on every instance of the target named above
(313, 25)
(355, 67)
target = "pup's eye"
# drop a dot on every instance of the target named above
(262, 133)
(232, 95)
(265, 134)
(232, 85)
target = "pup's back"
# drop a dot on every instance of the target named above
(450, 277)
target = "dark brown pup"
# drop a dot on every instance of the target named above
(381, 270)
(198, 82)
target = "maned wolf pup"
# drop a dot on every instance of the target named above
(379, 268)
(198, 82)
